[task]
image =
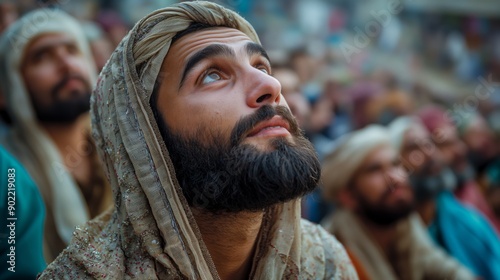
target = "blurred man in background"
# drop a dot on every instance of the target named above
(462, 232)
(445, 136)
(480, 140)
(376, 220)
(47, 76)
(484, 155)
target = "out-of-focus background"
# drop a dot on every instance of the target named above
(354, 62)
(428, 51)
(431, 51)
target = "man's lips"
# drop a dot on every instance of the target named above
(73, 83)
(276, 126)
(399, 190)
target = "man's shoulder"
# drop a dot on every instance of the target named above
(316, 235)
(320, 247)
(312, 230)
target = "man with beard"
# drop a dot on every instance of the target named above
(462, 232)
(479, 138)
(454, 152)
(484, 155)
(47, 76)
(375, 221)
(206, 162)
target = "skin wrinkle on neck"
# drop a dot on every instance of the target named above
(231, 240)
(69, 139)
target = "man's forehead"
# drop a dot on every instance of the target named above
(190, 43)
(378, 155)
(49, 39)
(380, 152)
(45, 41)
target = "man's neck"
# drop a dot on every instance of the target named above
(384, 236)
(427, 211)
(231, 240)
(72, 143)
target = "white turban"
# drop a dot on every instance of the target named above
(345, 159)
(399, 127)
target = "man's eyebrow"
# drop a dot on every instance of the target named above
(207, 52)
(49, 46)
(371, 166)
(254, 48)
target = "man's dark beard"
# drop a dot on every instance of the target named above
(64, 111)
(221, 175)
(427, 187)
(379, 213)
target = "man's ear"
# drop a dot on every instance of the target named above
(347, 199)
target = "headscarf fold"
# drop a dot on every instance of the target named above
(152, 233)
(27, 141)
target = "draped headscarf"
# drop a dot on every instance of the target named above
(152, 234)
(27, 141)
(345, 159)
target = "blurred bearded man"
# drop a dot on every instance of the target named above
(375, 221)
(453, 151)
(464, 233)
(47, 76)
(206, 162)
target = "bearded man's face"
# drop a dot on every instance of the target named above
(233, 142)
(57, 78)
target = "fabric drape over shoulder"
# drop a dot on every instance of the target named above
(152, 233)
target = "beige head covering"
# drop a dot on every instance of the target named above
(344, 160)
(152, 233)
(27, 140)
(398, 128)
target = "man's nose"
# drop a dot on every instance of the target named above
(396, 175)
(262, 89)
(66, 62)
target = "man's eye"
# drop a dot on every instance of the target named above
(73, 49)
(40, 57)
(211, 77)
(263, 69)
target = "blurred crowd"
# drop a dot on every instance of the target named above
(400, 100)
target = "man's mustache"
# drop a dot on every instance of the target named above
(264, 113)
(57, 88)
